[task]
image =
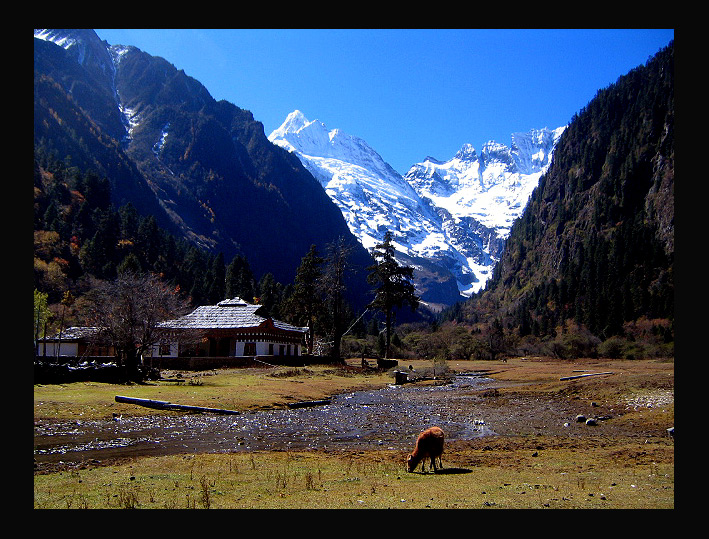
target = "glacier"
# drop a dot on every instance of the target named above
(455, 213)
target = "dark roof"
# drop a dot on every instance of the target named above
(232, 313)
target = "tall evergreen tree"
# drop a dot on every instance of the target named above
(305, 303)
(240, 279)
(333, 285)
(129, 221)
(216, 280)
(194, 268)
(130, 264)
(393, 286)
(270, 295)
(99, 252)
(148, 241)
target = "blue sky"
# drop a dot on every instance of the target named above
(409, 93)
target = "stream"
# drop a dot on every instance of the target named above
(388, 418)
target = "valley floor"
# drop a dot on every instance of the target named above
(540, 456)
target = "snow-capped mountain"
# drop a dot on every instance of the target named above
(372, 196)
(455, 214)
(478, 197)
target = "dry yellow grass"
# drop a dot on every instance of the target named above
(623, 468)
(232, 389)
(557, 477)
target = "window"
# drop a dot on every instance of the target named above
(250, 349)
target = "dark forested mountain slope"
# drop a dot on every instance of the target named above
(63, 92)
(203, 168)
(595, 244)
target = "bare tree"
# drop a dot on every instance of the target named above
(126, 313)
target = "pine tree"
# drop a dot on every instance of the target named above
(194, 268)
(393, 285)
(130, 264)
(129, 221)
(305, 303)
(333, 285)
(148, 240)
(240, 279)
(216, 280)
(270, 294)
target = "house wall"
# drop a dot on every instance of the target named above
(266, 348)
(65, 349)
(238, 349)
(165, 350)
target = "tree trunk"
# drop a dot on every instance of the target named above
(387, 349)
(337, 344)
(131, 363)
(311, 338)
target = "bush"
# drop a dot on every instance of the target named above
(573, 341)
(612, 348)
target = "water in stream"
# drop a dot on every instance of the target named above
(387, 418)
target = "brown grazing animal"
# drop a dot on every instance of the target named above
(429, 444)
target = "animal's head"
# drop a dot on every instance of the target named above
(410, 465)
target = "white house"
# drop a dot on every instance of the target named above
(76, 341)
(232, 328)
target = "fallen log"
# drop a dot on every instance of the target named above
(584, 375)
(305, 404)
(164, 405)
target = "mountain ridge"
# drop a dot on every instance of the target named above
(591, 260)
(203, 167)
(418, 208)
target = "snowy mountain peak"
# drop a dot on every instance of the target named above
(533, 150)
(354, 175)
(294, 122)
(453, 214)
(298, 134)
(466, 153)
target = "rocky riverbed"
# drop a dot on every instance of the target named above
(470, 407)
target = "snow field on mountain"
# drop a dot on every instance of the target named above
(448, 212)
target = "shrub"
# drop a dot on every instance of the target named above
(612, 348)
(573, 341)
